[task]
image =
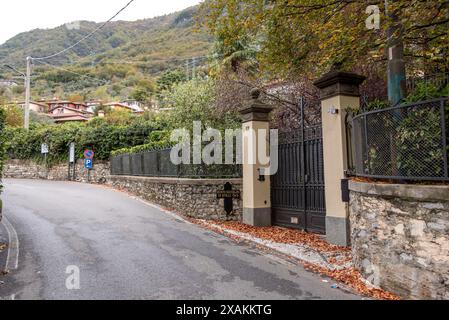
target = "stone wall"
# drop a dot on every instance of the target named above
(22, 169)
(196, 198)
(400, 238)
(193, 197)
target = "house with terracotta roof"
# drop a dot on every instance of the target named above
(69, 111)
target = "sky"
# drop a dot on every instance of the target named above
(18, 16)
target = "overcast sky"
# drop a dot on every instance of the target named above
(17, 16)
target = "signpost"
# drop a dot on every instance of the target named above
(89, 154)
(89, 162)
(44, 149)
(72, 162)
(228, 195)
(72, 153)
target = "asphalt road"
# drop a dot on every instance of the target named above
(126, 249)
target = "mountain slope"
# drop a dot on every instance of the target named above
(140, 49)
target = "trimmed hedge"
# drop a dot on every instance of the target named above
(157, 140)
(100, 136)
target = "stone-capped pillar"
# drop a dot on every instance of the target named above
(256, 185)
(339, 91)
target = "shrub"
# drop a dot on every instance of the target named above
(419, 144)
(98, 135)
(426, 91)
(156, 140)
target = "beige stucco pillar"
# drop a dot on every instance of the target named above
(256, 185)
(339, 91)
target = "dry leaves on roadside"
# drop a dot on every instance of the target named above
(353, 279)
(283, 235)
(2, 247)
(348, 276)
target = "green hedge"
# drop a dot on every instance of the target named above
(156, 140)
(98, 135)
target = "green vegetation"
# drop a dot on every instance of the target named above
(426, 91)
(99, 135)
(309, 36)
(195, 100)
(189, 101)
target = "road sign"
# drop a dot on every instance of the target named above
(89, 154)
(44, 148)
(88, 164)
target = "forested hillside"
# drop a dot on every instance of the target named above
(122, 59)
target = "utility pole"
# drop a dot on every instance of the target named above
(27, 94)
(395, 53)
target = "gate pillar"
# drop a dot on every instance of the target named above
(339, 91)
(256, 185)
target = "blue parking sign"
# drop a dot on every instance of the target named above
(88, 164)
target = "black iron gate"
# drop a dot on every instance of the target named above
(298, 196)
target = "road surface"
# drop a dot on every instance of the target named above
(126, 249)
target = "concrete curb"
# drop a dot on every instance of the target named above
(300, 252)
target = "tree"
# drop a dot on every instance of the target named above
(141, 94)
(13, 116)
(119, 117)
(195, 100)
(308, 36)
(169, 78)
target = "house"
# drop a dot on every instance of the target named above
(69, 111)
(137, 106)
(69, 117)
(57, 105)
(37, 107)
(92, 105)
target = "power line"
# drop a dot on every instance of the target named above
(87, 36)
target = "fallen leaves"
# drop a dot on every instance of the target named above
(353, 279)
(2, 247)
(350, 277)
(283, 235)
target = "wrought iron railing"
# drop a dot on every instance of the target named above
(407, 142)
(157, 163)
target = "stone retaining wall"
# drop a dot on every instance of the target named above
(400, 238)
(196, 198)
(23, 169)
(193, 197)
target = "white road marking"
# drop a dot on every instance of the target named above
(12, 259)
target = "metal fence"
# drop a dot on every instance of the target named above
(408, 142)
(157, 163)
